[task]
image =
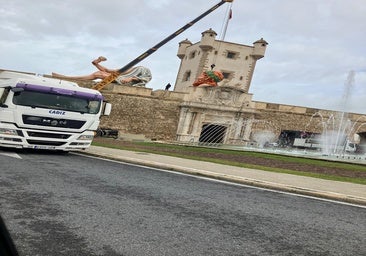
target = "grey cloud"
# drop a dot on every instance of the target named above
(312, 44)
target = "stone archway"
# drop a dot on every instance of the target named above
(212, 133)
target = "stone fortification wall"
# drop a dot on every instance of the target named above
(154, 115)
(296, 118)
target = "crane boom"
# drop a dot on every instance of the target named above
(99, 86)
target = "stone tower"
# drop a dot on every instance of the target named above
(235, 61)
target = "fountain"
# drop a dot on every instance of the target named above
(264, 137)
(337, 139)
(263, 132)
(336, 131)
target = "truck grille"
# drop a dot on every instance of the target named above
(46, 143)
(48, 135)
(53, 122)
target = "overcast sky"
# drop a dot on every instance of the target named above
(313, 44)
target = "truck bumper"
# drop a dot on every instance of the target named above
(13, 137)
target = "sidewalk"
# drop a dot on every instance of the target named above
(335, 190)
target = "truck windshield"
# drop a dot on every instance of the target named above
(56, 101)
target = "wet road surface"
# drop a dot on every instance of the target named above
(75, 205)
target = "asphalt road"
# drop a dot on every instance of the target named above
(75, 205)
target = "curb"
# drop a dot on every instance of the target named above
(235, 179)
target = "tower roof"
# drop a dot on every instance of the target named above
(209, 31)
(261, 41)
(185, 41)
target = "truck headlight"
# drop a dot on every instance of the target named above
(86, 137)
(5, 131)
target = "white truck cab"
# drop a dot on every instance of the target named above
(46, 113)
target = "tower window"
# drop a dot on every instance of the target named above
(187, 76)
(228, 75)
(231, 55)
(192, 54)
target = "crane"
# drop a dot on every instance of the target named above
(99, 86)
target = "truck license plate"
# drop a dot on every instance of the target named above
(43, 147)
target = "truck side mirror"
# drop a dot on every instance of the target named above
(17, 89)
(107, 109)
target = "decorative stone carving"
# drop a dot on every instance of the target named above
(219, 96)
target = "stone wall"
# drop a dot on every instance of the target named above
(155, 116)
(296, 118)
(281, 121)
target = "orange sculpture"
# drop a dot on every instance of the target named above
(209, 77)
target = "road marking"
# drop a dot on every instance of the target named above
(15, 155)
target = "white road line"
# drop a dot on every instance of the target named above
(15, 155)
